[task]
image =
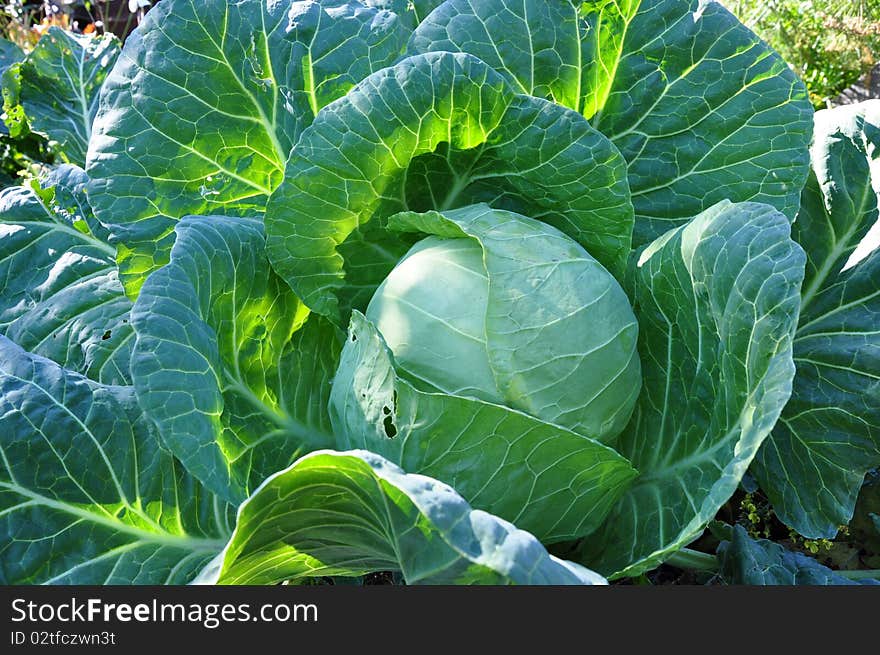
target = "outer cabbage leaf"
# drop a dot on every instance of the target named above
(354, 512)
(57, 88)
(206, 102)
(829, 435)
(440, 131)
(87, 495)
(747, 561)
(553, 482)
(701, 109)
(717, 303)
(60, 295)
(221, 365)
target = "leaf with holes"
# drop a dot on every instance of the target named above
(552, 481)
(60, 294)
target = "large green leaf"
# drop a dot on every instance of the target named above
(57, 88)
(87, 496)
(701, 109)
(549, 480)
(440, 131)
(829, 434)
(237, 387)
(208, 98)
(747, 561)
(717, 303)
(60, 295)
(352, 513)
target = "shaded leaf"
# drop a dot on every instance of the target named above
(747, 561)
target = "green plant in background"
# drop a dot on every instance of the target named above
(829, 43)
(56, 55)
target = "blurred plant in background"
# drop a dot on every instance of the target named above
(22, 23)
(830, 44)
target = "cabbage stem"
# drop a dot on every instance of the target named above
(693, 559)
(864, 574)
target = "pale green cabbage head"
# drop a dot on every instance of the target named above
(514, 313)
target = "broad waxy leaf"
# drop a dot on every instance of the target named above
(544, 478)
(352, 513)
(701, 109)
(829, 434)
(717, 303)
(747, 561)
(60, 294)
(221, 365)
(206, 102)
(87, 495)
(57, 87)
(440, 131)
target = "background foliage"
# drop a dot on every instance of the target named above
(829, 43)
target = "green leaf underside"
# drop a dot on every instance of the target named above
(701, 109)
(537, 343)
(747, 561)
(237, 387)
(717, 303)
(439, 131)
(206, 102)
(548, 480)
(87, 496)
(829, 434)
(59, 84)
(352, 513)
(60, 295)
